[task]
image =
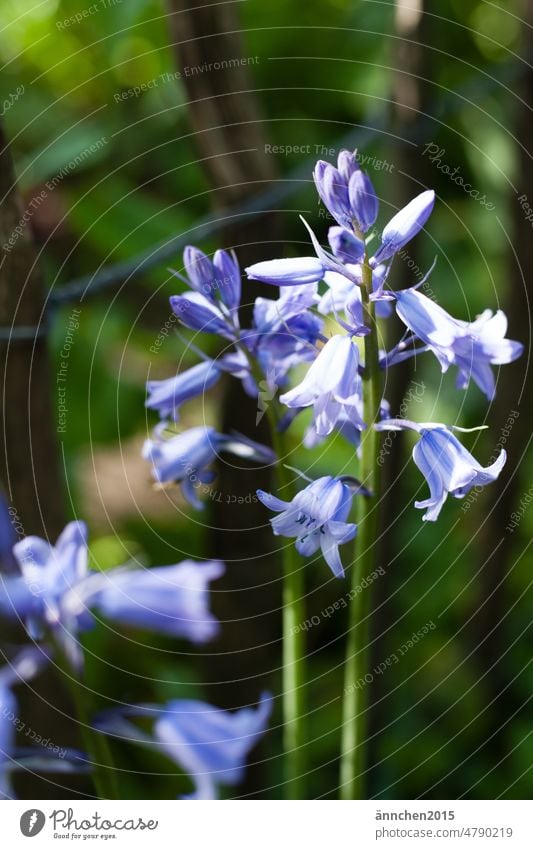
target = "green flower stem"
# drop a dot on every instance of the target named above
(293, 683)
(95, 742)
(293, 617)
(353, 762)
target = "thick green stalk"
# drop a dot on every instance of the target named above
(293, 682)
(354, 725)
(293, 618)
(95, 742)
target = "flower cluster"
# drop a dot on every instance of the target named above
(348, 283)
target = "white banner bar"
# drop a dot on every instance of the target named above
(268, 824)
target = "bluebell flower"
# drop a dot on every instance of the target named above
(446, 464)
(316, 517)
(55, 593)
(332, 386)
(471, 346)
(167, 396)
(208, 744)
(405, 225)
(46, 575)
(186, 457)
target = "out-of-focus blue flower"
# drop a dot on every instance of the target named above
(7, 537)
(209, 744)
(55, 592)
(171, 600)
(332, 386)
(167, 396)
(446, 464)
(47, 573)
(185, 458)
(363, 200)
(405, 225)
(471, 346)
(23, 668)
(316, 517)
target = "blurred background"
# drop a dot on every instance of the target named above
(133, 128)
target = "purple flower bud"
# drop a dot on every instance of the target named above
(199, 269)
(347, 163)
(405, 225)
(363, 200)
(228, 278)
(345, 245)
(293, 271)
(333, 190)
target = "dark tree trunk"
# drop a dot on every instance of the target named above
(29, 467)
(230, 138)
(29, 462)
